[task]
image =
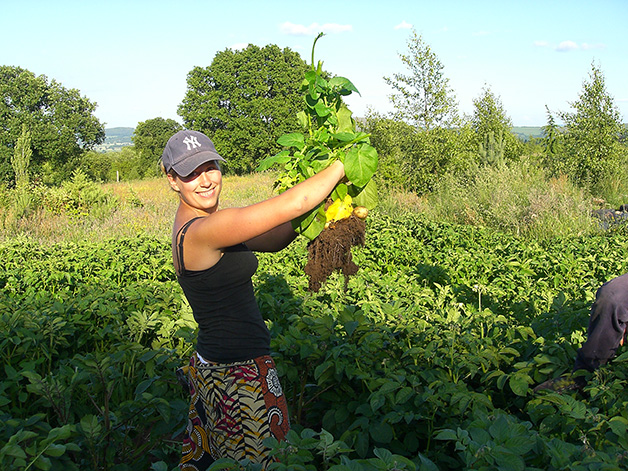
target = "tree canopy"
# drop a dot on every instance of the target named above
(150, 138)
(60, 121)
(423, 97)
(244, 101)
(492, 129)
(589, 147)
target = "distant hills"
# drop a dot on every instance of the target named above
(119, 134)
(527, 132)
(117, 138)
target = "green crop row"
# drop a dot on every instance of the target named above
(425, 361)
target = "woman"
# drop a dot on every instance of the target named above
(237, 400)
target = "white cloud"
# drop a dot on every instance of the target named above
(313, 29)
(566, 46)
(588, 47)
(403, 25)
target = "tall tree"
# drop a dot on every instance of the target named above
(245, 100)
(20, 162)
(423, 97)
(21, 158)
(588, 148)
(492, 129)
(552, 137)
(150, 138)
(592, 148)
(60, 120)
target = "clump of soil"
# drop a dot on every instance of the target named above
(331, 251)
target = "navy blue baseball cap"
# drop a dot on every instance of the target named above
(186, 150)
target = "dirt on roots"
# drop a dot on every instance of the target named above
(331, 251)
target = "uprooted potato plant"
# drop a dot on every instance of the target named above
(328, 134)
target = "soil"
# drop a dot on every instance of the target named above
(331, 251)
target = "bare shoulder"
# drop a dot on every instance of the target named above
(189, 240)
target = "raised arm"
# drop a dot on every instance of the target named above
(232, 226)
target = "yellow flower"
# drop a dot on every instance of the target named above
(339, 209)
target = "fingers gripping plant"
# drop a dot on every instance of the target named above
(328, 134)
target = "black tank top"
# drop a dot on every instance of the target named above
(231, 327)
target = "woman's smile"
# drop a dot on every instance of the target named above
(206, 193)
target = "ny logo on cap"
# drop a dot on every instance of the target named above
(191, 142)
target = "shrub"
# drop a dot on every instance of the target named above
(492, 130)
(123, 165)
(97, 165)
(515, 198)
(78, 197)
(415, 160)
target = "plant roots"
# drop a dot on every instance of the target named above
(331, 251)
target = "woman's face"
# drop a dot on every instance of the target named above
(201, 189)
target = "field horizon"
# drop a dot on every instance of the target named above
(118, 137)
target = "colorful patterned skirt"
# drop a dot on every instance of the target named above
(233, 408)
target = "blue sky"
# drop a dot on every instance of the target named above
(132, 57)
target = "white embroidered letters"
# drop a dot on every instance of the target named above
(191, 142)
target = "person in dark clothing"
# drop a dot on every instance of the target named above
(607, 325)
(236, 396)
(605, 334)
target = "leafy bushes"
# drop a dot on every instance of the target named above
(149, 140)
(122, 165)
(78, 196)
(516, 198)
(91, 336)
(415, 160)
(426, 361)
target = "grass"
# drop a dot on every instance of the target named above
(516, 199)
(144, 207)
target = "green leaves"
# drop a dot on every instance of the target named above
(279, 159)
(519, 384)
(498, 442)
(292, 140)
(360, 164)
(342, 86)
(428, 355)
(244, 100)
(311, 223)
(329, 133)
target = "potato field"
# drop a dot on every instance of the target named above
(425, 360)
